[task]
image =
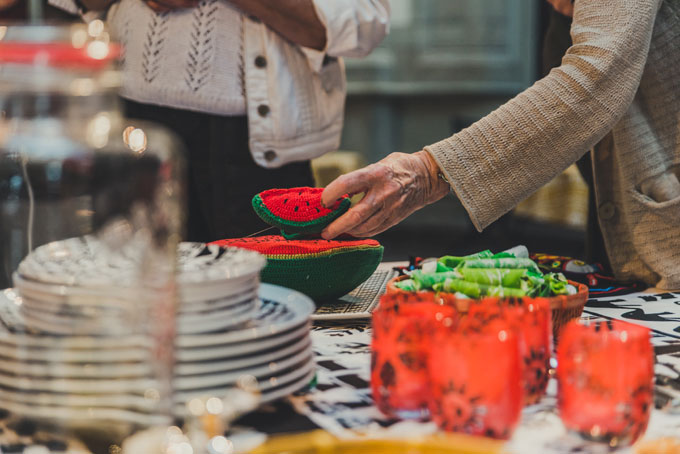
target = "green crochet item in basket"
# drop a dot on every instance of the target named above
(322, 269)
(297, 210)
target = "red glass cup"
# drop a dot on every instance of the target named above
(605, 372)
(402, 335)
(531, 320)
(475, 379)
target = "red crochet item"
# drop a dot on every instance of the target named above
(297, 210)
(322, 269)
(275, 246)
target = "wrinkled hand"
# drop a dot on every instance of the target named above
(162, 6)
(394, 188)
(565, 7)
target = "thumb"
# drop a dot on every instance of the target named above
(350, 183)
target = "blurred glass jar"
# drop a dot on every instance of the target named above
(90, 217)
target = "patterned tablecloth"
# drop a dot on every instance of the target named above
(341, 404)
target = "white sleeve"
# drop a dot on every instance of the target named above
(353, 28)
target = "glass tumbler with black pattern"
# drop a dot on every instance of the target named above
(605, 374)
(475, 379)
(530, 318)
(402, 332)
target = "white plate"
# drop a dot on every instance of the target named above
(87, 262)
(287, 389)
(139, 385)
(187, 311)
(114, 324)
(238, 349)
(201, 263)
(212, 366)
(136, 402)
(77, 386)
(187, 383)
(223, 302)
(72, 401)
(34, 368)
(281, 310)
(83, 417)
(65, 370)
(75, 409)
(201, 298)
(266, 386)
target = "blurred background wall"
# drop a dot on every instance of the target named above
(445, 64)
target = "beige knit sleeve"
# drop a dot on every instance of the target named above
(507, 155)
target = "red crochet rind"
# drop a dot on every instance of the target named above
(274, 245)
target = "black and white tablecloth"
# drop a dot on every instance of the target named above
(340, 400)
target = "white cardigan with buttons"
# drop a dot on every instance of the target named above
(293, 96)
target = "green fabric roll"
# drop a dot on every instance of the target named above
(407, 285)
(505, 277)
(452, 262)
(475, 290)
(504, 262)
(556, 284)
(426, 281)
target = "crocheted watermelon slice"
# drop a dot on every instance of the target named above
(322, 269)
(297, 210)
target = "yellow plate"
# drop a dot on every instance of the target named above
(320, 442)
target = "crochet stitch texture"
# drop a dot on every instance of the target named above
(297, 210)
(322, 269)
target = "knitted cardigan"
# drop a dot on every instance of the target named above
(617, 88)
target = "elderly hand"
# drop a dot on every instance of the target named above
(394, 188)
(162, 6)
(565, 7)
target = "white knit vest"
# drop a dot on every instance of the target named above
(187, 59)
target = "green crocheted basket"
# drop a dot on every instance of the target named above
(322, 269)
(297, 210)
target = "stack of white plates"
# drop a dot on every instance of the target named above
(58, 362)
(67, 288)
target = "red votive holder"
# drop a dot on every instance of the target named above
(402, 337)
(531, 320)
(475, 378)
(605, 372)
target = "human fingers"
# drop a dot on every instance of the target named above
(349, 183)
(387, 206)
(353, 218)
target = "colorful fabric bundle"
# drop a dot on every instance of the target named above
(297, 211)
(322, 269)
(510, 273)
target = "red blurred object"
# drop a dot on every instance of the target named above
(605, 372)
(530, 319)
(475, 379)
(58, 54)
(402, 336)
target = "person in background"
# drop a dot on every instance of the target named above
(615, 90)
(255, 88)
(17, 10)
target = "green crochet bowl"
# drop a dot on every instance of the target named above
(322, 269)
(297, 210)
